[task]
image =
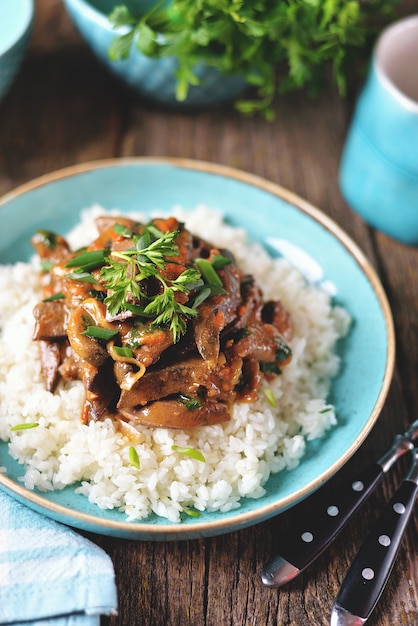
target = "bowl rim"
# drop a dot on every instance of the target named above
(169, 531)
(24, 25)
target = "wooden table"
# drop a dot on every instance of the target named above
(65, 108)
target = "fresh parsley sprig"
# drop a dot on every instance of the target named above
(125, 273)
(125, 270)
(168, 312)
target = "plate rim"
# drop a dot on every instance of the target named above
(139, 529)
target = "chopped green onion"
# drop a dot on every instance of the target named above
(219, 261)
(216, 290)
(122, 230)
(191, 452)
(191, 512)
(100, 333)
(208, 272)
(88, 260)
(134, 458)
(84, 277)
(326, 410)
(270, 368)
(284, 351)
(270, 397)
(202, 294)
(189, 402)
(97, 294)
(47, 237)
(46, 266)
(55, 296)
(123, 351)
(241, 333)
(25, 426)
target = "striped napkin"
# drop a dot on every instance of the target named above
(49, 574)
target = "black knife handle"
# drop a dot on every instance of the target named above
(373, 564)
(312, 534)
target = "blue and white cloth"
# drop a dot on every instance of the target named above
(49, 574)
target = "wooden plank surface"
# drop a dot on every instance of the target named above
(65, 108)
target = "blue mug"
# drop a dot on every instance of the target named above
(379, 165)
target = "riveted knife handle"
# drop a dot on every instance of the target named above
(373, 564)
(314, 532)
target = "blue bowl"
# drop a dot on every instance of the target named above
(16, 20)
(153, 78)
(379, 164)
(311, 239)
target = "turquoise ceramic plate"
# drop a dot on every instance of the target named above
(267, 211)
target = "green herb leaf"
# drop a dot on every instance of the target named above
(191, 403)
(83, 277)
(125, 271)
(55, 296)
(97, 294)
(137, 310)
(100, 333)
(146, 39)
(191, 452)
(46, 266)
(208, 272)
(219, 261)
(134, 458)
(202, 295)
(123, 351)
(120, 47)
(122, 230)
(283, 352)
(270, 368)
(191, 512)
(269, 395)
(25, 426)
(88, 261)
(121, 16)
(169, 313)
(47, 238)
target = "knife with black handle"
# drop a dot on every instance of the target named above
(371, 568)
(307, 539)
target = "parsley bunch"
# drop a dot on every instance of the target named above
(275, 45)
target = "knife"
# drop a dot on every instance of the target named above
(312, 534)
(371, 568)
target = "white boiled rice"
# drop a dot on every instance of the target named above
(239, 455)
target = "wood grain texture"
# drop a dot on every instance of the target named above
(65, 108)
